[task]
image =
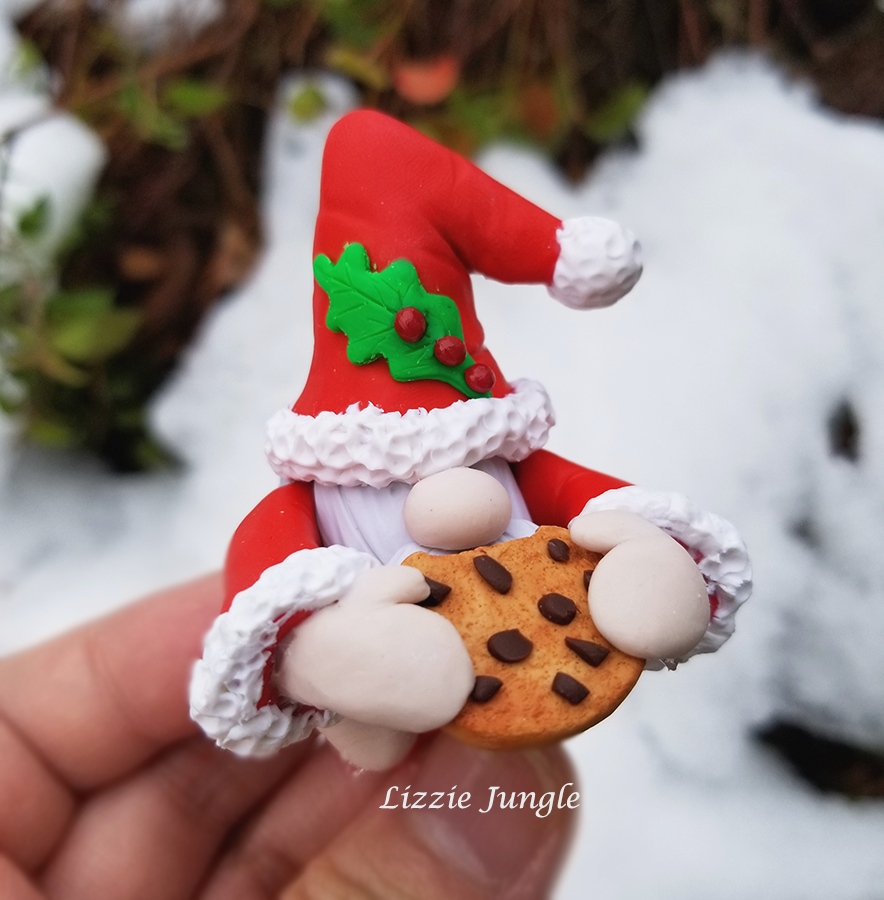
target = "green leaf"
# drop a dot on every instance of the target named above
(191, 97)
(84, 327)
(26, 59)
(360, 67)
(95, 221)
(10, 304)
(52, 434)
(484, 115)
(150, 121)
(89, 341)
(57, 369)
(33, 221)
(612, 120)
(167, 132)
(131, 101)
(363, 304)
(10, 405)
(149, 454)
(307, 104)
(29, 354)
(359, 23)
(79, 303)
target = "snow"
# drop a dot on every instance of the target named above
(761, 218)
(45, 156)
(152, 23)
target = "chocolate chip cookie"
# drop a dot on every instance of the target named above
(543, 671)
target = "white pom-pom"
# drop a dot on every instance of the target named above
(599, 261)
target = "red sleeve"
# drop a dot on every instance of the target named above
(283, 522)
(556, 490)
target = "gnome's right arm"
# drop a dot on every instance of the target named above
(255, 692)
(276, 575)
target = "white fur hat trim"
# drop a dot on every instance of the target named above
(375, 448)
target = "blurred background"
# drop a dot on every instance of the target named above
(159, 165)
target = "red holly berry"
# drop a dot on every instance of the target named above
(450, 350)
(480, 378)
(410, 324)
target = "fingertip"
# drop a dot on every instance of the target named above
(123, 679)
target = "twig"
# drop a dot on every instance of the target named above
(235, 187)
(217, 40)
(819, 50)
(698, 45)
(759, 12)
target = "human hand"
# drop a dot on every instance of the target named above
(107, 789)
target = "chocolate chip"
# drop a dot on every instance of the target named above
(438, 592)
(569, 688)
(509, 646)
(557, 608)
(485, 688)
(494, 573)
(594, 654)
(586, 576)
(558, 550)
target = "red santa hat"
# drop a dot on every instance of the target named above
(402, 384)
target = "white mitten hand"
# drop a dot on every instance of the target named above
(375, 657)
(604, 530)
(646, 596)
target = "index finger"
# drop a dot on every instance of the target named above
(96, 702)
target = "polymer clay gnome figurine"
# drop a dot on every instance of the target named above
(407, 436)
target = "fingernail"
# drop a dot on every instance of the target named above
(492, 845)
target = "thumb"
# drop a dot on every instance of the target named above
(467, 846)
(386, 586)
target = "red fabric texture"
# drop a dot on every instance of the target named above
(402, 196)
(283, 522)
(556, 490)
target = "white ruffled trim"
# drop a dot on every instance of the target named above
(599, 261)
(375, 448)
(228, 681)
(724, 559)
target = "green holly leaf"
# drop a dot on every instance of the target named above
(363, 305)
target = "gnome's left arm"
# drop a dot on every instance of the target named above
(673, 575)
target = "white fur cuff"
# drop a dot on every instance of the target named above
(599, 261)
(228, 681)
(375, 448)
(723, 558)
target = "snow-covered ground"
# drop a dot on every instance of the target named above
(760, 311)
